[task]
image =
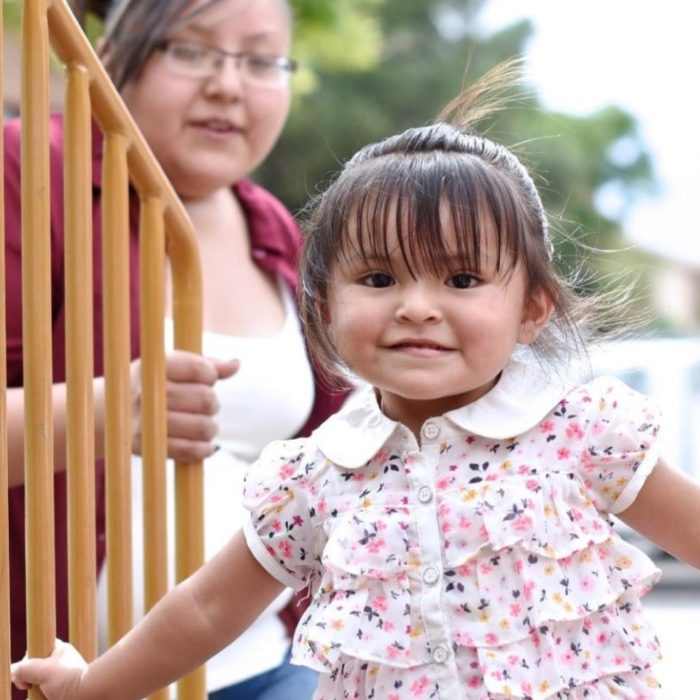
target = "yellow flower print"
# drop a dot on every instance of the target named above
(548, 509)
(652, 682)
(622, 481)
(468, 495)
(484, 616)
(506, 465)
(549, 570)
(543, 686)
(623, 562)
(504, 624)
(557, 597)
(366, 503)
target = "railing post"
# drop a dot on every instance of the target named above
(80, 438)
(36, 331)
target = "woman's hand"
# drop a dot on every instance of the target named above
(191, 404)
(58, 676)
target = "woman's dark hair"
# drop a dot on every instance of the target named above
(406, 184)
(135, 28)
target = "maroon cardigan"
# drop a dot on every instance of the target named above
(275, 242)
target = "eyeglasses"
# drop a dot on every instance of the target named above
(194, 60)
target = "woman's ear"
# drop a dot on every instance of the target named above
(536, 314)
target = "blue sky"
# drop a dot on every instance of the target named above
(643, 57)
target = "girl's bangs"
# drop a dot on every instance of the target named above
(435, 210)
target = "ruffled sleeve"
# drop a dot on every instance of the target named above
(277, 494)
(621, 446)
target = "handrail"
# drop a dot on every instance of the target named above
(164, 228)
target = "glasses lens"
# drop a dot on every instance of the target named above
(191, 59)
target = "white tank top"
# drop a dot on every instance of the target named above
(269, 398)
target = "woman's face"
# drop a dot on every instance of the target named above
(209, 132)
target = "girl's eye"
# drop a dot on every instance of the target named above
(378, 280)
(461, 280)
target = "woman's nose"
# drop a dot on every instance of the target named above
(227, 81)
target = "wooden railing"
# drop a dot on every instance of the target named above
(164, 229)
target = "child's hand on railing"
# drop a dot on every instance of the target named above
(58, 676)
(191, 403)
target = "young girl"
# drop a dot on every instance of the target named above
(453, 518)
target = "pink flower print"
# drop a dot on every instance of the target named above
(547, 426)
(376, 545)
(568, 657)
(602, 638)
(574, 431)
(519, 566)
(598, 427)
(276, 526)
(492, 639)
(523, 523)
(298, 520)
(563, 453)
(485, 568)
(443, 483)
(321, 505)
(524, 469)
(419, 686)
(532, 484)
(446, 527)
(471, 440)
(587, 584)
(388, 626)
(515, 609)
(513, 660)
(379, 603)
(528, 588)
(286, 470)
(464, 522)
(285, 549)
(474, 682)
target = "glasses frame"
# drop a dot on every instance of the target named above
(287, 66)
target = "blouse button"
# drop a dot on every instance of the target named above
(431, 431)
(425, 495)
(431, 575)
(440, 655)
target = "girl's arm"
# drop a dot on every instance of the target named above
(667, 511)
(195, 620)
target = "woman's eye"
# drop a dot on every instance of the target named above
(378, 279)
(461, 280)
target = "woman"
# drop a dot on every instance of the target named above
(208, 84)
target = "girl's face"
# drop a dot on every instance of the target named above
(434, 342)
(209, 132)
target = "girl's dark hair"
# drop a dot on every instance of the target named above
(134, 29)
(405, 184)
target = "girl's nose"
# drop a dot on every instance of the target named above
(417, 305)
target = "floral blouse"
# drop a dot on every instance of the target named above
(479, 563)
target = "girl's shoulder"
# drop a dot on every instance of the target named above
(609, 395)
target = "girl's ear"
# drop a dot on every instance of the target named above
(536, 314)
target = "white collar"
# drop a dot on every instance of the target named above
(524, 394)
